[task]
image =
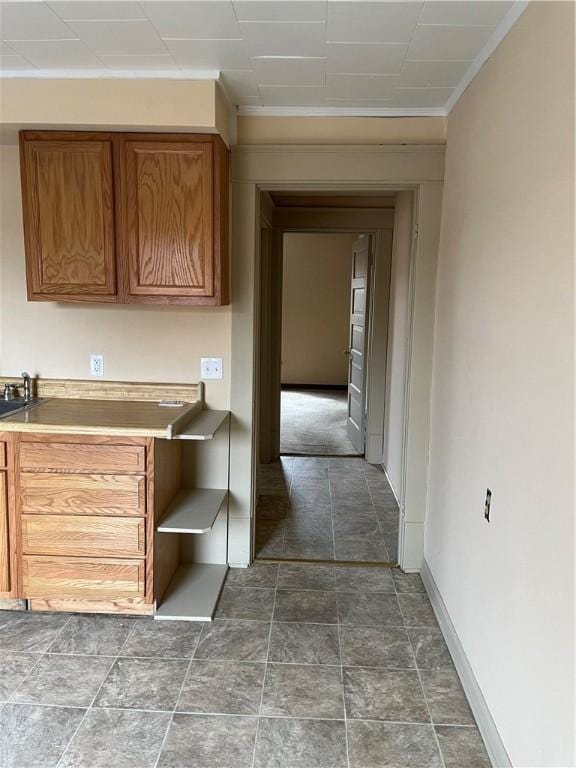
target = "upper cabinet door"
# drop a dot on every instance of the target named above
(68, 203)
(169, 228)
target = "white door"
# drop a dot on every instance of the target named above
(358, 342)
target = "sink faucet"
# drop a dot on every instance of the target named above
(27, 387)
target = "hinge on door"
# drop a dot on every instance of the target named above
(415, 233)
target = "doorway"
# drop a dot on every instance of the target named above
(322, 493)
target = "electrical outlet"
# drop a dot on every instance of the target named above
(211, 368)
(97, 365)
(487, 505)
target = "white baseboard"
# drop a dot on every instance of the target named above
(486, 725)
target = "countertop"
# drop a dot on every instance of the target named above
(78, 416)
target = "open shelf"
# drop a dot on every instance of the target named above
(193, 511)
(193, 593)
(203, 426)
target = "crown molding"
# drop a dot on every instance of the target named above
(246, 111)
(108, 74)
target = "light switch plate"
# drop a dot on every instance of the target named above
(211, 368)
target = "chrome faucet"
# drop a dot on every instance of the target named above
(27, 387)
(10, 389)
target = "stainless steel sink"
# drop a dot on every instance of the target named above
(9, 407)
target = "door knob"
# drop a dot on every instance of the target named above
(347, 351)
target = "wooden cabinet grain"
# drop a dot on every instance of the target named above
(4, 538)
(128, 218)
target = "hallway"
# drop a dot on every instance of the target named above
(313, 422)
(326, 509)
(303, 667)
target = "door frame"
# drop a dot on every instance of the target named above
(419, 169)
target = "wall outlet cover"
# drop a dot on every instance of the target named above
(97, 365)
(211, 368)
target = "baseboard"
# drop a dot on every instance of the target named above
(314, 386)
(486, 725)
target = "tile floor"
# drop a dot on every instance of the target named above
(305, 666)
(314, 421)
(326, 509)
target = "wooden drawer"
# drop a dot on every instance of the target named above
(83, 535)
(81, 577)
(2, 454)
(78, 457)
(4, 537)
(70, 494)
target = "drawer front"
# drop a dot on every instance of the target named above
(81, 577)
(77, 457)
(83, 535)
(69, 494)
(2, 454)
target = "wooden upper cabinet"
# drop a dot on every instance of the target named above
(68, 204)
(151, 209)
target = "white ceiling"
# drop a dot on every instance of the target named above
(328, 56)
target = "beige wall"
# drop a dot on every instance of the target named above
(341, 130)
(398, 334)
(138, 343)
(316, 308)
(503, 386)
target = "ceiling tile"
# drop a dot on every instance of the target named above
(292, 96)
(420, 97)
(12, 61)
(136, 63)
(359, 103)
(195, 20)
(5, 49)
(32, 21)
(240, 84)
(365, 58)
(97, 11)
(371, 22)
(284, 38)
(280, 10)
(448, 43)
(436, 73)
(119, 37)
(209, 54)
(360, 86)
(463, 12)
(249, 101)
(58, 54)
(283, 71)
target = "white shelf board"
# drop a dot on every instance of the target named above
(193, 593)
(193, 511)
(203, 426)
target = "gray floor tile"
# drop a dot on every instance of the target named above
(294, 690)
(446, 698)
(389, 520)
(268, 547)
(258, 575)
(65, 680)
(309, 495)
(347, 464)
(272, 507)
(13, 669)
(142, 684)
(245, 603)
(376, 608)
(376, 647)
(93, 635)
(293, 743)
(313, 526)
(361, 525)
(430, 648)
(361, 549)
(112, 738)
(313, 549)
(462, 747)
(34, 736)
(209, 741)
(304, 643)
(407, 582)
(27, 631)
(234, 641)
(306, 577)
(383, 694)
(223, 687)
(163, 639)
(390, 745)
(350, 579)
(306, 606)
(416, 610)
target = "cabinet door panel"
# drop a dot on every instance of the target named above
(76, 457)
(4, 540)
(69, 219)
(78, 577)
(169, 216)
(76, 535)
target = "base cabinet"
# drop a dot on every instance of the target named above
(4, 537)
